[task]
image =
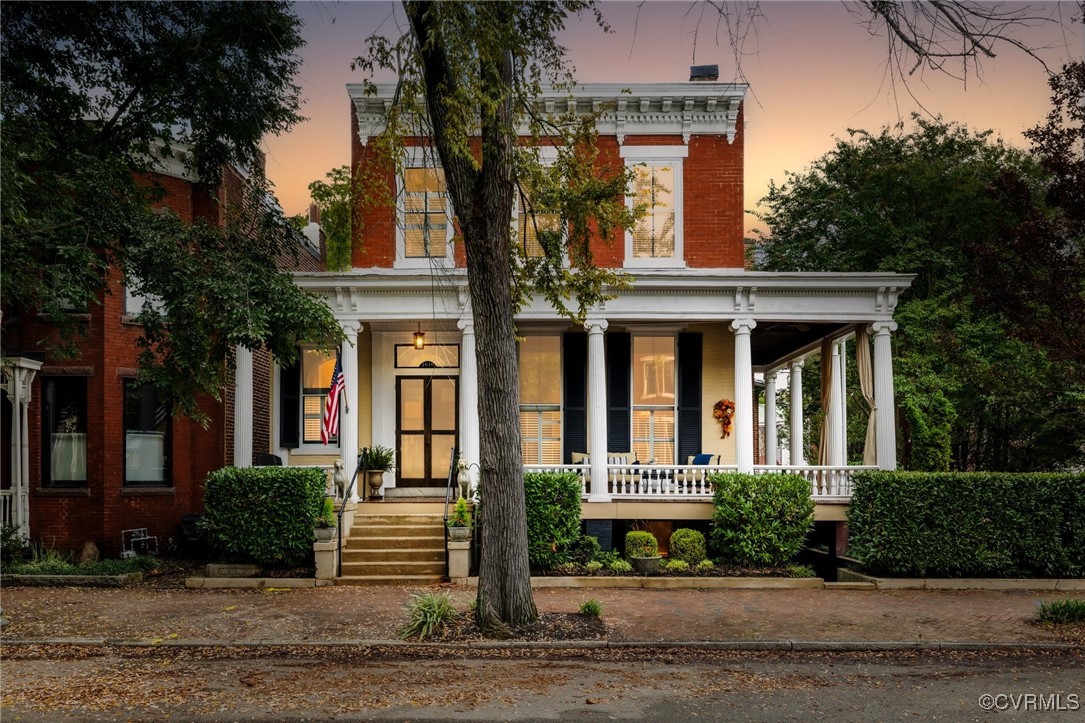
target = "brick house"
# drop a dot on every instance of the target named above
(88, 452)
(626, 401)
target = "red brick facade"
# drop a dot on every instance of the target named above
(66, 517)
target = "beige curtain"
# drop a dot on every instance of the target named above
(866, 384)
(826, 388)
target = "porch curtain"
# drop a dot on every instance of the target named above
(866, 385)
(826, 390)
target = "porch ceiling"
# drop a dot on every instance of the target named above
(773, 341)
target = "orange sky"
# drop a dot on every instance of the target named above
(813, 71)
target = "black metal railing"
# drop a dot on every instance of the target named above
(363, 455)
(449, 486)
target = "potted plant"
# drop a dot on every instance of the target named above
(459, 524)
(324, 526)
(377, 460)
(642, 549)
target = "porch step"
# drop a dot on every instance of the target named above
(395, 543)
(401, 580)
(405, 554)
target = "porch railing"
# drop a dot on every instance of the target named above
(690, 482)
(7, 510)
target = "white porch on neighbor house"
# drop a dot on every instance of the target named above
(17, 381)
(764, 324)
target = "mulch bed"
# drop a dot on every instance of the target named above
(550, 627)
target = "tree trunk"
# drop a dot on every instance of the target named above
(483, 199)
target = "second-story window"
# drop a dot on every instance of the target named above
(426, 220)
(656, 238)
(531, 222)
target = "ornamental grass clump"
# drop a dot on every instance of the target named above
(1068, 610)
(591, 608)
(427, 614)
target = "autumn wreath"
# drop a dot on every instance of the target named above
(724, 413)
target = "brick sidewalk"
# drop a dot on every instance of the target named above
(358, 613)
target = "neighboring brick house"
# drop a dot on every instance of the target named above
(628, 400)
(87, 452)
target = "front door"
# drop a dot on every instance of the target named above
(427, 414)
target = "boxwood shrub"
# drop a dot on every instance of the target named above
(687, 545)
(553, 517)
(262, 514)
(760, 519)
(943, 524)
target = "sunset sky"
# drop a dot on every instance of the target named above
(814, 73)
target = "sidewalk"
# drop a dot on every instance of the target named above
(359, 614)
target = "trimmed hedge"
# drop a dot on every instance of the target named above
(760, 519)
(975, 524)
(641, 543)
(687, 545)
(553, 517)
(263, 514)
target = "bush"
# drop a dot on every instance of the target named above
(1070, 610)
(12, 545)
(677, 566)
(622, 566)
(593, 566)
(705, 566)
(687, 545)
(761, 519)
(584, 549)
(566, 568)
(263, 514)
(592, 608)
(975, 524)
(553, 516)
(428, 613)
(641, 543)
(47, 561)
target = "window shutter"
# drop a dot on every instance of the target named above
(689, 395)
(618, 402)
(290, 405)
(574, 372)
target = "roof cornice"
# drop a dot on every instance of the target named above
(686, 109)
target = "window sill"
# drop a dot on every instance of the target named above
(63, 491)
(663, 263)
(148, 491)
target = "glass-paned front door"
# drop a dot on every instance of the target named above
(426, 428)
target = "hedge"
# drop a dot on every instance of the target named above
(263, 514)
(985, 524)
(553, 516)
(760, 519)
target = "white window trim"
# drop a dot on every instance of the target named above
(548, 156)
(134, 303)
(310, 448)
(658, 156)
(422, 158)
(561, 403)
(633, 406)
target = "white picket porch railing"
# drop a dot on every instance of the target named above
(7, 509)
(690, 482)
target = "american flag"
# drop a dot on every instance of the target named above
(329, 426)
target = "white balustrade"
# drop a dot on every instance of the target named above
(827, 483)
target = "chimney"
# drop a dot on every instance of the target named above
(314, 213)
(704, 73)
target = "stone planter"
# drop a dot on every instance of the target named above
(324, 534)
(374, 479)
(646, 565)
(459, 534)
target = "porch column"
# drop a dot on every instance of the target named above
(834, 413)
(468, 395)
(843, 400)
(243, 407)
(20, 378)
(743, 394)
(884, 421)
(795, 382)
(597, 410)
(24, 456)
(348, 408)
(770, 418)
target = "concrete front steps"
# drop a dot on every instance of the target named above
(395, 543)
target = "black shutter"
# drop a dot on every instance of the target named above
(290, 405)
(689, 396)
(575, 408)
(618, 402)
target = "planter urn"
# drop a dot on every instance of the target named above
(646, 565)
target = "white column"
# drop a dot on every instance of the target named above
(348, 407)
(597, 410)
(770, 418)
(243, 407)
(743, 394)
(843, 378)
(833, 414)
(797, 445)
(24, 457)
(468, 395)
(884, 421)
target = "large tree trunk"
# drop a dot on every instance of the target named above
(483, 199)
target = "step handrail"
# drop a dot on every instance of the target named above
(363, 455)
(452, 467)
